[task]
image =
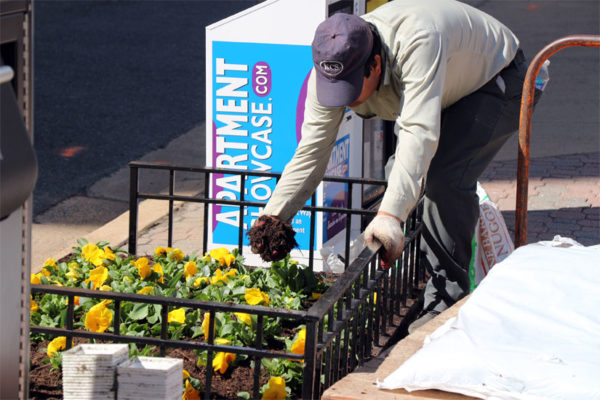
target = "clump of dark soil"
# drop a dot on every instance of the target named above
(272, 238)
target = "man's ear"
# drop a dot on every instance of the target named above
(377, 66)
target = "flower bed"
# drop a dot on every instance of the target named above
(219, 275)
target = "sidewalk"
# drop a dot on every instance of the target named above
(563, 199)
(563, 196)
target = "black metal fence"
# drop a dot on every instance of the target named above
(357, 315)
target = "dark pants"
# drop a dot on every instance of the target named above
(472, 131)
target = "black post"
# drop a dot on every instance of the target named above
(133, 208)
(310, 361)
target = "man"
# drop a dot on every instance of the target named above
(451, 77)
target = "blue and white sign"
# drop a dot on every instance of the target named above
(258, 108)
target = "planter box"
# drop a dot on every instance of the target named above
(89, 370)
(145, 378)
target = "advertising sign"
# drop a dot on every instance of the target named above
(257, 115)
(257, 68)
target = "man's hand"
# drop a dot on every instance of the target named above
(386, 229)
(272, 238)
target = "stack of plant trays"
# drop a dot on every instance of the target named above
(144, 378)
(88, 370)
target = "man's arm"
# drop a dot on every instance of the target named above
(422, 73)
(305, 171)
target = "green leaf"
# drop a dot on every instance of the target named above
(227, 330)
(63, 317)
(240, 290)
(243, 395)
(139, 311)
(175, 279)
(82, 242)
(154, 318)
(196, 331)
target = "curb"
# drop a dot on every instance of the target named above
(116, 232)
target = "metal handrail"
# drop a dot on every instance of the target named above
(527, 103)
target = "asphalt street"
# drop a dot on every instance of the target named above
(115, 80)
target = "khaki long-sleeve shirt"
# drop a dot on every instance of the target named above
(434, 52)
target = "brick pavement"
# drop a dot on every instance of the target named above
(563, 196)
(564, 199)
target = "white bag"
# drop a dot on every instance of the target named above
(530, 331)
(491, 243)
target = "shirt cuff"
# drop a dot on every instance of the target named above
(396, 205)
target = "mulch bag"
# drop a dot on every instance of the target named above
(530, 331)
(491, 242)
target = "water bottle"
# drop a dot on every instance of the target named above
(543, 77)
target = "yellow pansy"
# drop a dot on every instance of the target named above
(316, 296)
(244, 317)
(231, 273)
(92, 253)
(158, 269)
(143, 267)
(57, 344)
(206, 258)
(34, 305)
(73, 273)
(222, 360)
(200, 280)
(36, 279)
(190, 269)
(223, 256)
(190, 392)
(298, 345)
(205, 324)
(75, 301)
(160, 251)
(186, 374)
(276, 389)
(105, 288)
(108, 254)
(218, 278)
(255, 296)
(51, 264)
(146, 290)
(175, 254)
(98, 276)
(98, 318)
(177, 315)
(126, 279)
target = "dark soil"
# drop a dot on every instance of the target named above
(46, 384)
(43, 383)
(272, 238)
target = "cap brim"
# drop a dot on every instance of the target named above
(338, 92)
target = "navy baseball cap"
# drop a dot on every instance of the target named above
(341, 48)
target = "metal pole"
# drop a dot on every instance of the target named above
(525, 124)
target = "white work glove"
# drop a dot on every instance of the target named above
(387, 230)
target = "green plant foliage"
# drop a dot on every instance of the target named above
(217, 276)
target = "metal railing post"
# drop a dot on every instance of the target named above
(133, 208)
